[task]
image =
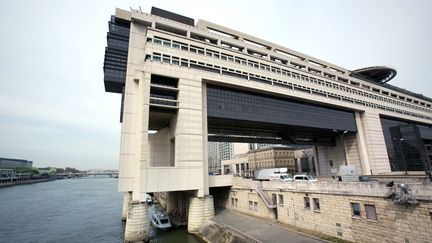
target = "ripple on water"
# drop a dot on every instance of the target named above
(72, 210)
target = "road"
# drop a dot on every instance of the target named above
(260, 229)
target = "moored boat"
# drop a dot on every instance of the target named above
(159, 218)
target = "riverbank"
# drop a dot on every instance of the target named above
(15, 183)
(229, 226)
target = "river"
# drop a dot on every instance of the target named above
(71, 210)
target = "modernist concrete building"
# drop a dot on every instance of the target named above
(199, 82)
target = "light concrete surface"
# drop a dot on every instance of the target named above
(137, 223)
(260, 229)
(220, 180)
(126, 200)
(144, 161)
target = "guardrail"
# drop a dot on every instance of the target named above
(243, 235)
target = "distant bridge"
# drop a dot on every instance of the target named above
(82, 174)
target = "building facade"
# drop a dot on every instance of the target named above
(238, 166)
(7, 163)
(357, 212)
(272, 157)
(218, 151)
(192, 83)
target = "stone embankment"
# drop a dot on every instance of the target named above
(213, 232)
(23, 182)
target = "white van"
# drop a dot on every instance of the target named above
(280, 177)
(304, 178)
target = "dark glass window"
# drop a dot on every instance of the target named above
(370, 212)
(407, 144)
(316, 203)
(306, 202)
(355, 209)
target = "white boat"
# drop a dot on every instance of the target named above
(159, 218)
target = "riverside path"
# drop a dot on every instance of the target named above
(260, 229)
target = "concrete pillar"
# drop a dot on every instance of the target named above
(361, 143)
(126, 200)
(375, 144)
(196, 214)
(137, 224)
(200, 209)
(209, 211)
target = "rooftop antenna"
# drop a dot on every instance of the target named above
(139, 10)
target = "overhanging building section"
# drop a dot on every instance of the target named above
(241, 116)
(116, 54)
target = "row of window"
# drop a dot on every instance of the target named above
(277, 70)
(370, 209)
(249, 76)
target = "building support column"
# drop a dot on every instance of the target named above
(137, 223)
(200, 209)
(126, 200)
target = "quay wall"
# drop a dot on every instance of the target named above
(7, 184)
(330, 209)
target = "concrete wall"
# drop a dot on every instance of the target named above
(160, 148)
(394, 223)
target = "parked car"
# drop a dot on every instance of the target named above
(280, 177)
(304, 178)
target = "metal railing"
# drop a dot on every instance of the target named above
(263, 196)
(243, 235)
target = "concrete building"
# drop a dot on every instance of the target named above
(305, 160)
(356, 212)
(218, 151)
(7, 163)
(238, 166)
(192, 83)
(272, 157)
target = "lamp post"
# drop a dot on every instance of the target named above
(402, 154)
(344, 146)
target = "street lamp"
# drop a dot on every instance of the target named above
(403, 157)
(345, 153)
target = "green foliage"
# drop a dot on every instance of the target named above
(334, 239)
(35, 171)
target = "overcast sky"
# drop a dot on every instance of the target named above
(53, 108)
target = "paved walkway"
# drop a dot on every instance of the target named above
(260, 229)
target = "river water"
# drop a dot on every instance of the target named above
(72, 210)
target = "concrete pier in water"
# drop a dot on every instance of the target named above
(126, 200)
(137, 223)
(200, 209)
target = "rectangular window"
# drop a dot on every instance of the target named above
(316, 203)
(355, 209)
(281, 200)
(371, 212)
(236, 202)
(232, 201)
(306, 202)
(250, 205)
(255, 206)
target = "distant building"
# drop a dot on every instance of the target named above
(7, 163)
(253, 146)
(218, 151)
(238, 166)
(305, 161)
(272, 157)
